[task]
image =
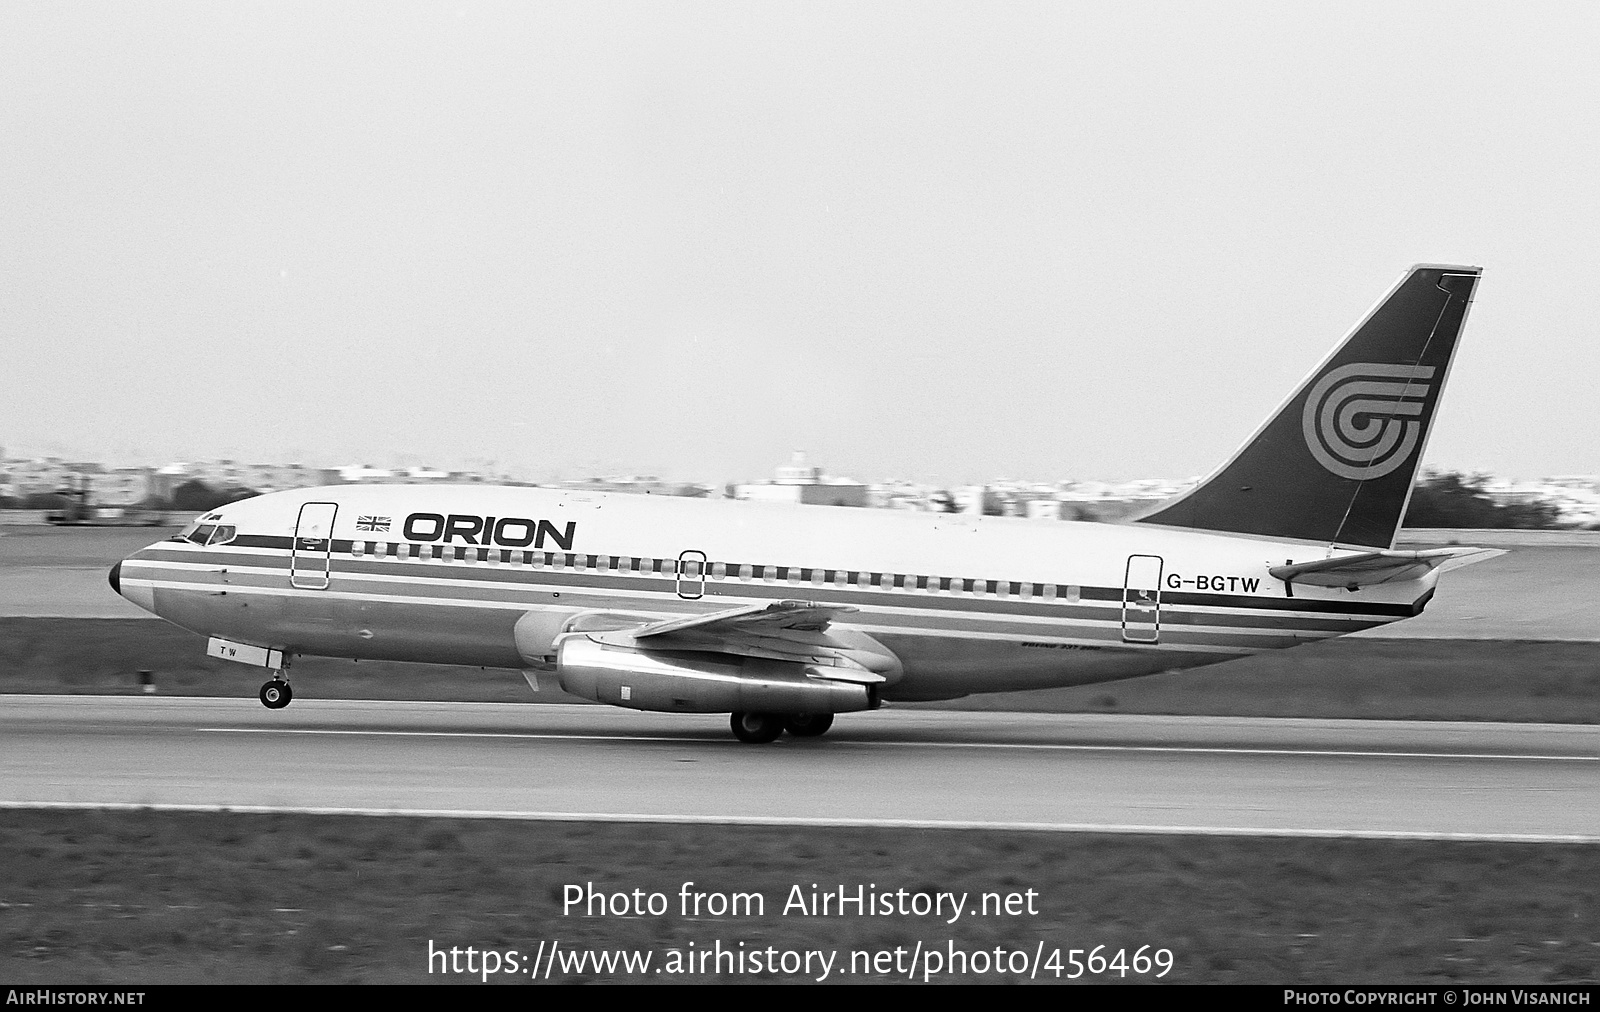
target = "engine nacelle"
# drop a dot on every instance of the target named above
(685, 682)
(538, 631)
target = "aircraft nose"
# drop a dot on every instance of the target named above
(138, 590)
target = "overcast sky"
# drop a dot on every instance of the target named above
(944, 242)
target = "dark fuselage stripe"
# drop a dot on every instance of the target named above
(516, 579)
(342, 550)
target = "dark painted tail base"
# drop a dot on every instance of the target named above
(1337, 462)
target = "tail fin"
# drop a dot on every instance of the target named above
(1336, 462)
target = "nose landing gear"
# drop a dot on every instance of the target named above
(276, 694)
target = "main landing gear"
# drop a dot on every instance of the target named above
(760, 728)
(276, 694)
(808, 725)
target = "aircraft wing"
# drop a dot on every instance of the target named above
(1368, 569)
(797, 615)
(781, 631)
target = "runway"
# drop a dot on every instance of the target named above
(1078, 772)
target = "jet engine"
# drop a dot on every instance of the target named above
(694, 682)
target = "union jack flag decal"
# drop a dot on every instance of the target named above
(372, 523)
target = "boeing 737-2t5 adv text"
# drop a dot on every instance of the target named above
(784, 616)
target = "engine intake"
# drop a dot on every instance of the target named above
(688, 682)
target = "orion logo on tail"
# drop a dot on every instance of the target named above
(1363, 420)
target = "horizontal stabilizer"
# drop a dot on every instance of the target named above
(1368, 569)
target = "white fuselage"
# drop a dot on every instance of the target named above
(966, 604)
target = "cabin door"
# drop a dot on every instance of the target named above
(1141, 600)
(313, 544)
(692, 575)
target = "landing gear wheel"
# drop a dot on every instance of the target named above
(808, 725)
(757, 728)
(276, 694)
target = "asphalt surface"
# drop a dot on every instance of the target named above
(1108, 773)
(60, 572)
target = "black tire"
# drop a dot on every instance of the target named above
(275, 695)
(757, 728)
(808, 725)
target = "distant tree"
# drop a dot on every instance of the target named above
(196, 496)
(1453, 499)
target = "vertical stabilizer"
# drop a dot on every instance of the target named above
(1337, 461)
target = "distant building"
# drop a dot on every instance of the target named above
(44, 475)
(800, 482)
(638, 484)
(358, 474)
(424, 475)
(978, 501)
(1049, 509)
(121, 486)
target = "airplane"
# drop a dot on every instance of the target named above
(784, 616)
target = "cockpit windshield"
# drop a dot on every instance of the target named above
(206, 534)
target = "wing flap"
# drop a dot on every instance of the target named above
(794, 631)
(798, 616)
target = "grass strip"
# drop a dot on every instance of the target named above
(1555, 682)
(157, 897)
